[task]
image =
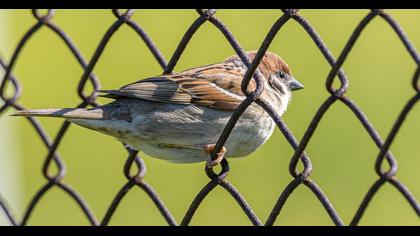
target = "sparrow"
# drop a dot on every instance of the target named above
(179, 117)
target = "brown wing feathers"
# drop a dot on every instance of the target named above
(204, 87)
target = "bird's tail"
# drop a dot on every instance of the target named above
(67, 113)
(98, 119)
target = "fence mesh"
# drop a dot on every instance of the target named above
(385, 172)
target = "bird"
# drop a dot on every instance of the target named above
(178, 117)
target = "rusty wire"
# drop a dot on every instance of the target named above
(216, 179)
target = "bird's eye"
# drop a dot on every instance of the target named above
(281, 74)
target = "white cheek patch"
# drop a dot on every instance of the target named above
(283, 99)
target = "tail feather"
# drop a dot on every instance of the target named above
(70, 113)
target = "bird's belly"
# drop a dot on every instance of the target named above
(248, 137)
(182, 137)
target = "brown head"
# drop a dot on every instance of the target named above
(274, 69)
(279, 80)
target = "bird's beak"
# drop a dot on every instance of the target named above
(295, 85)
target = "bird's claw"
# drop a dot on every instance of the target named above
(220, 155)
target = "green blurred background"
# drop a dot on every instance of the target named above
(379, 69)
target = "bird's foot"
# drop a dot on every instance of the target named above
(212, 163)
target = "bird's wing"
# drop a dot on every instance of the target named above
(215, 86)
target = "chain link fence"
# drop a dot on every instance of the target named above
(385, 166)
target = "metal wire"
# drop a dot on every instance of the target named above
(54, 179)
